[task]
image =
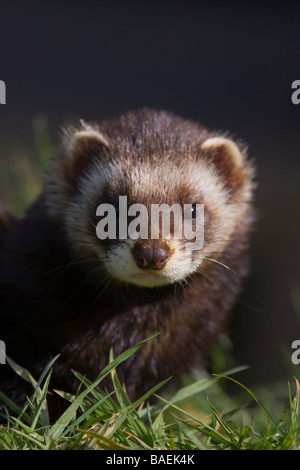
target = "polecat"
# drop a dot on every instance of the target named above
(63, 290)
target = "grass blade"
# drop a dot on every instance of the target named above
(60, 425)
(260, 404)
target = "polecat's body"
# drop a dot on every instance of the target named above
(64, 291)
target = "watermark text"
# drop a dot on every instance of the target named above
(166, 222)
(296, 354)
(296, 94)
(2, 352)
(2, 92)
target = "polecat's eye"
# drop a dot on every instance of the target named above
(194, 211)
(190, 212)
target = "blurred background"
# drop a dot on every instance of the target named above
(228, 65)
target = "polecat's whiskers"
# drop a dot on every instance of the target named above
(219, 262)
(102, 291)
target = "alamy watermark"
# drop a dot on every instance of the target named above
(188, 222)
(296, 94)
(2, 92)
(296, 354)
(2, 353)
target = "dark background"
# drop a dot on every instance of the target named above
(227, 65)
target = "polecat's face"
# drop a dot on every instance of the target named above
(113, 193)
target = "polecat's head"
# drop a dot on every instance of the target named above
(110, 182)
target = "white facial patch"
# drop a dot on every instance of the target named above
(121, 265)
(118, 259)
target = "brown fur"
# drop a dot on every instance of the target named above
(52, 303)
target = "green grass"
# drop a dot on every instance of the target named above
(202, 414)
(198, 416)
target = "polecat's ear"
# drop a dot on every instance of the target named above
(80, 147)
(227, 158)
(86, 142)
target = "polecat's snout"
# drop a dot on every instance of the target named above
(150, 256)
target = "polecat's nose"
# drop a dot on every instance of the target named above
(150, 257)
